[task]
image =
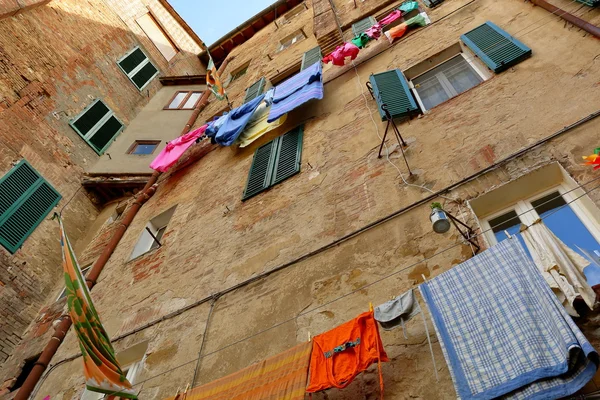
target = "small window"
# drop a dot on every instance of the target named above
(291, 39)
(274, 162)
(152, 236)
(132, 361)
(138, 68)
(293, 12)
(25, 200)
(143, 147)
(184, 100)
(158, 36)
(445, 81)
(97, 125)
(239, 72)
(84, 271)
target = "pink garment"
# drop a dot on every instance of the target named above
(175, 148)
(391, 17)
(338, 56)
(374, 32)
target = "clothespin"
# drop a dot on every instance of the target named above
(424, 278)
(508, 235)
(309, 336)
(370, 307)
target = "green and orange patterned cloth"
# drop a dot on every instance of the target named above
(282, 377)
(101, 369)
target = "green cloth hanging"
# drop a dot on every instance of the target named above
(597, 151)
(408, 6)
(361, 40)
(417, 20)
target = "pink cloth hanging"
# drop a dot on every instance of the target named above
(338, 56)
(374, 32)
(391, 17)
(175, 148)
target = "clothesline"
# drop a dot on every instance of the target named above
(370, 284)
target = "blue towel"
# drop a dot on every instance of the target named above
(503, 332)
(236, 121)
(297, 90)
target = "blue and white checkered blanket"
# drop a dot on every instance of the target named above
(503, 332)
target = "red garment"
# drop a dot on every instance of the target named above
(339, 355)
(338, 56)
(374, 32)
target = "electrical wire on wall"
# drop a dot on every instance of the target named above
(376, 281)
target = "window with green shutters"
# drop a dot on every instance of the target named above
(97, 125)
(255, 89)
(391, 88)
(495, 47)
(138, 68)
(311, 57)
(362, 25)
(25, 200)
(274, 162)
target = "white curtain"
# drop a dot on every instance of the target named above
(561, 267)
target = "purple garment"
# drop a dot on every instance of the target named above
(297, 90)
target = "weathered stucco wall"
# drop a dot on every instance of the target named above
(214, 241)
(151, 123)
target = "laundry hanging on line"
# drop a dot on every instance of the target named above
(502, 330)
(338, 56)
(398, 31)
(101, 369)
(561, 267)
(305, 86)
(340, 354)
(281, 377)
(175, 149)
(258, 126)
(236, 121)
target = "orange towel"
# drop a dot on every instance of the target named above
(280, 377)
(344, 352)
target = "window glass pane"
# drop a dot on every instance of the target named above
(460, 74)
(133, 60)
(144, 148)
(91, 117)
(177, 99)
(105, 133)
(566, 225)
(159, 234)
(511, 223)
(192, 100)
(432, 87)
(144, 75)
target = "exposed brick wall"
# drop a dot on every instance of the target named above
(56, 59)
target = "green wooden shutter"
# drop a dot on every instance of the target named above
(289, 154)
(311, 57)
(496, 48)
(259, 177)
(255, 90)
(362, 25)
(391, 88)
(25, 200)
(97, 125)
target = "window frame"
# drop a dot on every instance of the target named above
(94, 129)
(484, 77)
(185, 99)
(138, 68)
(143, 142)
(292, 38)
(164, 32)
(528, 215)
(235, 74)
(155, 228)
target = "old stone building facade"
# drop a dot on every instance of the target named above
(233, 281)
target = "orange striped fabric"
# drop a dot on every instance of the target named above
(282, 377)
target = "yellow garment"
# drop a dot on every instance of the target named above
(258, 126)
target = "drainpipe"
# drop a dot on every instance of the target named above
(578, 22)
(60, 331)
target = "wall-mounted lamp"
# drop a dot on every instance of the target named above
(440, 220)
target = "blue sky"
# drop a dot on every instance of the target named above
(211, 19)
